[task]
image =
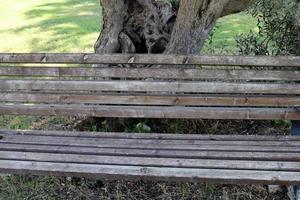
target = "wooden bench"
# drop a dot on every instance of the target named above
(154, 86)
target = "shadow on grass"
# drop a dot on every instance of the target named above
(61, 26)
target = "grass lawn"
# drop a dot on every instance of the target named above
(49, 25)
(227, 28)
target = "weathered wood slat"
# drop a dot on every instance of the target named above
(221, 153)
(113, 135)
(286, 61)
(158, 147)
(152, 162)
(150, 86)
(140, 143)
(267, 146)
(152, 173)
(138, 99)
(154, 73)
(150, 111)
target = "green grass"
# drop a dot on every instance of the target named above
(49, 25)
(223, 39)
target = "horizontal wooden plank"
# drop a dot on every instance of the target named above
(159, 147)
(151, 112)
(150, 173)
(150, 86)
(141, 143)
(259, 153)
(157, 144)
(138, 99)
(182, 73)
(151, 162)
(158, 59)
(121, 135)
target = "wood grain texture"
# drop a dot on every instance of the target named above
(150, 173)
(151, 111)
(150, 86)
(149, 59)
(182, 73)
(138, 99)
(152, 162)
(262, 154)
(72, 154)
(146, 143)
(116, 135)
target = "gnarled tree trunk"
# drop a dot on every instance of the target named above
(150, 26)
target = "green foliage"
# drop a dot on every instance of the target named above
(279, 29)
(174, 2)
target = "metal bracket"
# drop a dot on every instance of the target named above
(296, 132)
(295, 128)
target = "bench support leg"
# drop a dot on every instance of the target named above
(296, 128)
(296, 131)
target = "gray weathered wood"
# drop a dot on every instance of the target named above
(114, 135)
(151, 86)
(150, 59)
(204, 159)
(147, 143)
(261, 154)
(150, 112)
(152, 173)
(152, 162)
(158, 147)
(138, 99)
(154, 73)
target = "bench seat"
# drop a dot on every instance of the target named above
(230, 159)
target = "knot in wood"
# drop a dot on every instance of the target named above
(131, 59)
(185, 60)
(145, 170)
(85, 58)
(44, 59)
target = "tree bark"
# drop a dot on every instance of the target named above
(150, 26)
(113, 20)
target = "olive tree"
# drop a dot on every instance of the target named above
(151, 26)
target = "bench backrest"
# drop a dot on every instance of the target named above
(150, 86)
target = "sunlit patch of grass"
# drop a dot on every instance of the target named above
(49, 25)
(223, 40)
